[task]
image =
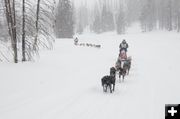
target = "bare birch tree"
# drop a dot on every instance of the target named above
(23, 32)
(11, 20)
(28, 30)
(37, 27)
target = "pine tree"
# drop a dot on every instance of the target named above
(107, 19)
(161, 15)
(82, 19)
(148, 17)
(97, 24)
(132, 11)
(169, 15)
(178, 14)
(80, 28)
(178, 20)
(64, 27)
(120, 22)
(96, 27)
(143, 18)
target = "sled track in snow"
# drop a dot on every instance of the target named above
(71, 107)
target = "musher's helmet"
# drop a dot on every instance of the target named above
(124, 41)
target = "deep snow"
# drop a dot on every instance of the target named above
(65, 83)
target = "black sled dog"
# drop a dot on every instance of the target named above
(109, 81)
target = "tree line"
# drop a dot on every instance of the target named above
(160, 14)
(71, 20)
(118, 15)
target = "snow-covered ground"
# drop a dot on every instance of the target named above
(65, 83)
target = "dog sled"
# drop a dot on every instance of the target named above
(122, 55)
(122, 61)
(123, 66)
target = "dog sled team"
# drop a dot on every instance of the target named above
(76, 42)
(122, 67)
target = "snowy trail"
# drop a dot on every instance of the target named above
(65, 83)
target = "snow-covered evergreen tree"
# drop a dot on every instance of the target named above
(80, 28)
(96, 27)
(82, 19)
(96, 23)
(120, 22)
(64, 27)
(132, 11)
(148, 16)
(107, 19)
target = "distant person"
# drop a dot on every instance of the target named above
(123, 46)
(76, 41)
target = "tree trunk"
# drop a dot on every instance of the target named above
(23, 32)
(178, 12)
(179, 21)
(14, 30)
(37, 21)
(11, 20)
(170, 15)
(8, 18)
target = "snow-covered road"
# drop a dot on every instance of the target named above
(65, 83)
